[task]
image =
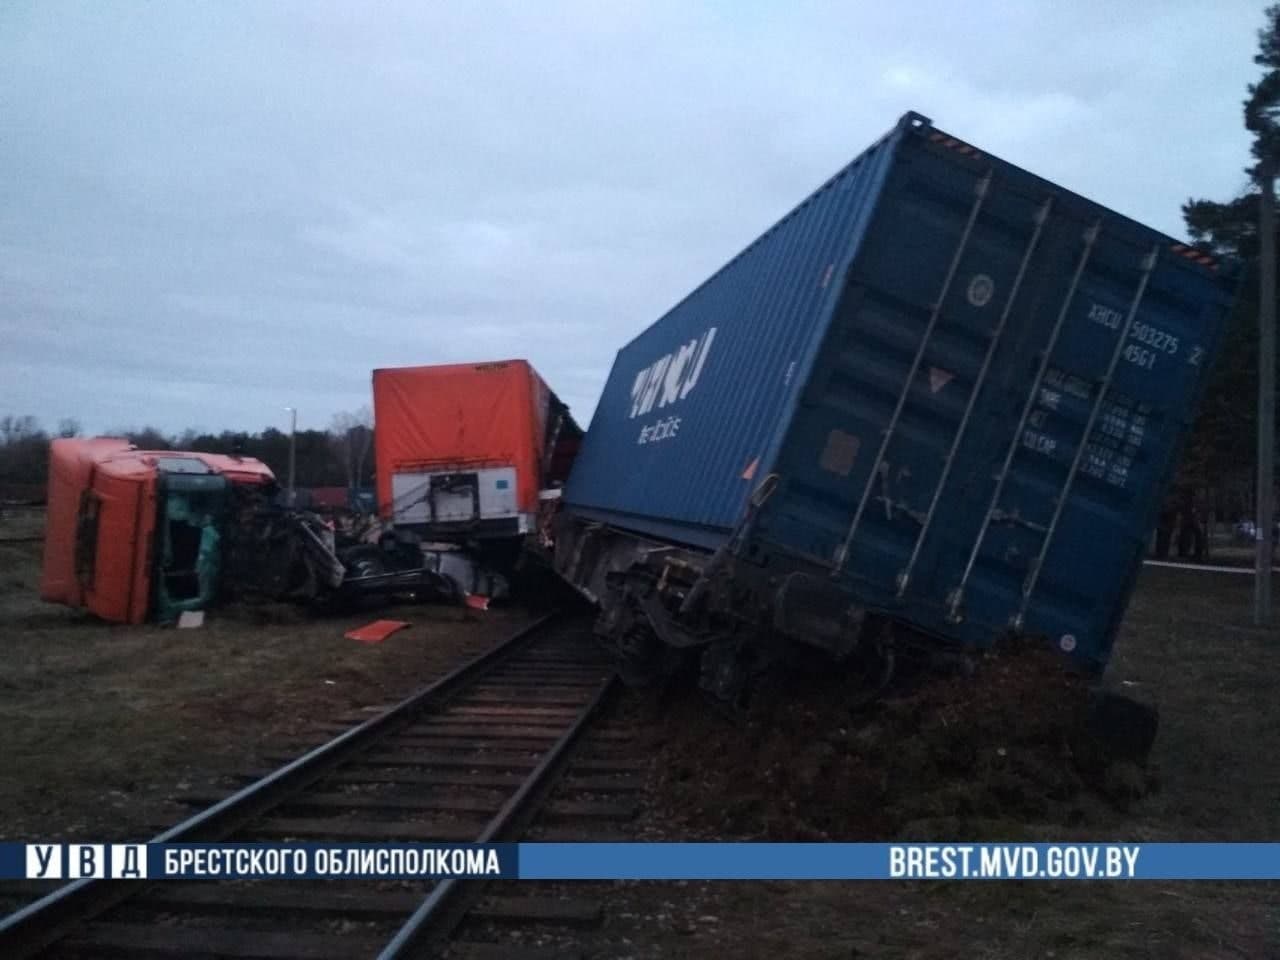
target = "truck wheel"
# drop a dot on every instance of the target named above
(365, 561)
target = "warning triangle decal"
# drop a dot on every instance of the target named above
(939, 378)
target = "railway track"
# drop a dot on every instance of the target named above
(506, 746)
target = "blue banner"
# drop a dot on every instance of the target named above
(899, 861)
(644, 861)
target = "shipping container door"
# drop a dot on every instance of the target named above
(896, 420)
(1094, 417)
(990, 323)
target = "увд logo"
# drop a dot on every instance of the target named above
(670, 378)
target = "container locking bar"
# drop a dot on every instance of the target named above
(1041, 217)
(981, 188)
(1033, 575)
(955, 600)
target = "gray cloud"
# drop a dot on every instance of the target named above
(208, 212)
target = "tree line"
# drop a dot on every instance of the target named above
(1220, 454)
(341, 456)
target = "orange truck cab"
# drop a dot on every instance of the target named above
(133, 535)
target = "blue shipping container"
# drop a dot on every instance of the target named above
(918, 353)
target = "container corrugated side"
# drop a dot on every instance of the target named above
(695, 403)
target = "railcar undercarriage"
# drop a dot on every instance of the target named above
(666, 610)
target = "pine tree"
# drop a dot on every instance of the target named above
(1221, 446)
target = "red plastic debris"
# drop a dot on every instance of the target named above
(377, 631)
(476, 602)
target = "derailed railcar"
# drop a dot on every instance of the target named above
(942, 393)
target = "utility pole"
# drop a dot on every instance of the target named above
(293, 451)
(1266, 389)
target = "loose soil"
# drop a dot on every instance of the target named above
(988, 758)
(962, 756)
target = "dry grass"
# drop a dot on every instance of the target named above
(99, 724)
(1189, 641)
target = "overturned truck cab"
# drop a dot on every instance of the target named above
(134, 535)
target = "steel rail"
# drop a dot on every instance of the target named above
(418, 927)
(41, 923)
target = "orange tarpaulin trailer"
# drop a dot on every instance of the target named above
(466, 448)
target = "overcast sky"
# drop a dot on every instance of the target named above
(211, 211)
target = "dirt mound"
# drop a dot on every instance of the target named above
(982, 754)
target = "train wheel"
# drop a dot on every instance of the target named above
(876, 661)
(725, 674)
(641, 657)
